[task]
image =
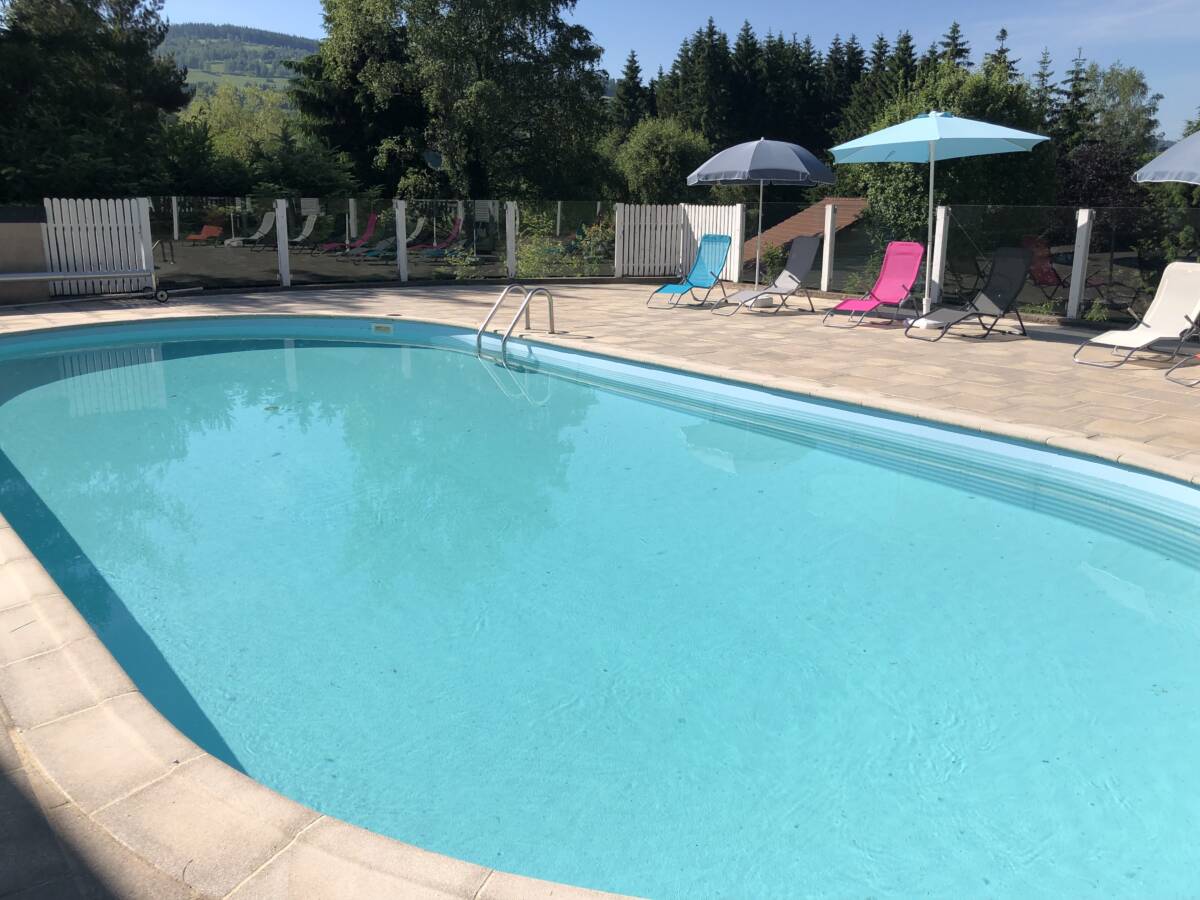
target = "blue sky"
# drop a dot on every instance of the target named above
(1162, 37)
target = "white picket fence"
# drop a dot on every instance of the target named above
(661, 239)
(98, 236)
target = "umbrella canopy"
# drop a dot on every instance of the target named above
(763, 162)
(928, 138)
(1179, 162)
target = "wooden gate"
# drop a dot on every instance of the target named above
(98, 236)
(661, 239)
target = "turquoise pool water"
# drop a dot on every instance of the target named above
(619, 627)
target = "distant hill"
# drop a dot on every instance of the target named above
(231, 53)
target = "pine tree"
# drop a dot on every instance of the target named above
(1046, 92)
(880, 51)
(1075, 114)
(902, 65)
(856, 63)
(929, 61)
(999, 59)
(746, 86)
(629, 103)
(955, 47)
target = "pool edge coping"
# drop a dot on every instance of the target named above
(69, 687)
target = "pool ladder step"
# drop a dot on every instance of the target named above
(523, 309)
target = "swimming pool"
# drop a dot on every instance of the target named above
(619, 626)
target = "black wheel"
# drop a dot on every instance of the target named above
(160, 295)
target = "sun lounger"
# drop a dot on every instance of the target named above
(445, 242)
(206, 235)
(801, 256)
(1173, 317)
(364, 252)
(995, 300)
(342, 246)
(264, 228)
(305, 231)
(705, 273)
(897, 275)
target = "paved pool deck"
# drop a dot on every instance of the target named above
(100, 796)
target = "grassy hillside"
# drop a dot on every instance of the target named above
(230, 53)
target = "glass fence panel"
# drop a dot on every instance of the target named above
(859, 247)
(566, 239)
(214, 242)
(782, 223)
(975, 233)
(1130, 248)
(456, 240)
(341, 239)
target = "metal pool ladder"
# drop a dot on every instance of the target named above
(530, 293)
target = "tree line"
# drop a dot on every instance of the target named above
(441, 98)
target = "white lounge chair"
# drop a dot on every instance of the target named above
(1172, 317)
(306, 230)
(264, 228)
(801, 255)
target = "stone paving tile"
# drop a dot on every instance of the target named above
(232, 825)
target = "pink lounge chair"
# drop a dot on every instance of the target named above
(455, 230)
(897, 275)
(342, 246)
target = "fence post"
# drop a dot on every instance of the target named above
(351, 219)
(400, 208)
(618, 240)
(143, 208)
(281, 243)
(174, 218)
(510, 236)
(1079, 262)
(937, 259)
(827, 246)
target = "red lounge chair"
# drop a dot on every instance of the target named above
(206, 234)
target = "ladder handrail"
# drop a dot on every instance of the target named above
(524, 308)
(492, 312)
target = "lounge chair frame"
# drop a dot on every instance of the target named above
(691, 285)
(1188, 358)
(972, 311)
(800, 246)
(1193, 330)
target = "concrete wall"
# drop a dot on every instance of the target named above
(21, 251)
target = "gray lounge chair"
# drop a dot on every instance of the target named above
(801, 256)
(995, 300)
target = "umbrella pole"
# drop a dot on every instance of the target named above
(925, 304)
(758, 240)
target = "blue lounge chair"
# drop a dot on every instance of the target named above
(705, 274)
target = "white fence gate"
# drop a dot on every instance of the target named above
(98, 236)
(661, 239)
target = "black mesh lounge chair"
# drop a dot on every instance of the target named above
(995, 300)
(801, 256)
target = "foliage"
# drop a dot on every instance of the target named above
(82, 96)
(355, 95)
(898, 192)
(656, 159)
(513, 92)
(772, 261)
(630, 103)
(540, 254)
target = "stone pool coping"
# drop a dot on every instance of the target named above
(158, 817)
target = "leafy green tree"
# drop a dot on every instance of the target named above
(513, 91)
(239, 121)
(897, 192)
(83, 96)
(657, 158)
(354, 94)
(630, 103)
